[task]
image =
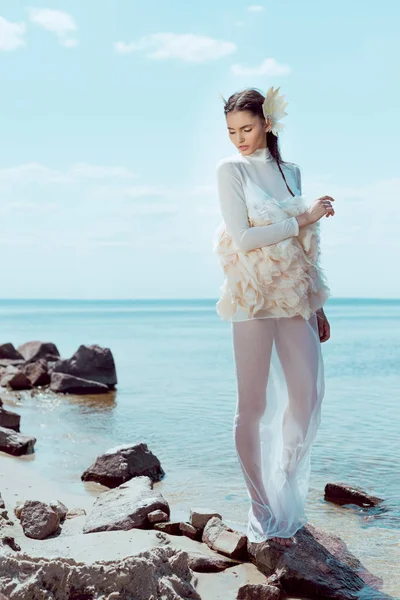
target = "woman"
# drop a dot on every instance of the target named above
(273, 294)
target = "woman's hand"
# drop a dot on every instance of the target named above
(322, 207)
(324, 329)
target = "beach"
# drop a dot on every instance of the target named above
(176, 393)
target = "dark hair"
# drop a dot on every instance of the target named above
(252, 101)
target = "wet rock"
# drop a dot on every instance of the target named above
(8, 352)
(39, 520)
(90, 362)
(122, 463)
(341, 493)
(9, 419)
(37, 372)
(15, 378)
(203, 563)
(157, 516)
(259, 591)
(223, 539)
(69, 384)
(15, 443)
(35, 349)
(317, 566)
(125, 507)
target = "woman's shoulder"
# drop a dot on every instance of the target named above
(229, 163)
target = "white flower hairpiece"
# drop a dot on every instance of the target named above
(273, 107)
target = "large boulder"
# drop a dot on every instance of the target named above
(39, 520)
(161, 572)
(61, 383)
(90, 362)
(32, 351)
(15, 443)
(122, 463)
(37, 372)
(318, 565)
(126, 507)
(9, 419)
(13, 377)
(8, 352)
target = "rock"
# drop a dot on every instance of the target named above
(75, 512)
(15, 443)
(90, 362)
(315, 567)
(258, 591)
(190, 531)
(3, 597)
(161, 572)
(59, 508)
(3, 510)
(203, 563)
(172, 527)
(39, 520)
(68, 384)
(121, 463)
(9, 419)
(15, 378)
(125, 507)
(199, 518)
(8, 352)
(157, 516)
(18, 508)
(32, 351)
(37, 372)
(10, 541)
(341, 493)
(223, 539)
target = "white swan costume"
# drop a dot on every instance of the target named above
(273, 286)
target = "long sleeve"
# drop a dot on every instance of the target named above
(234, 213)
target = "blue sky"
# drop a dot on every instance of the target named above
(111, 127)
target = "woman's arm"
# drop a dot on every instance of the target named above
(234, 213)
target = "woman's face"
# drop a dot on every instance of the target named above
(247, 131)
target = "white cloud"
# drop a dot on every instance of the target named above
(56, 21)
(187, 47)
(38, 173)
(255, 8)
(269, 68)
(11, 35)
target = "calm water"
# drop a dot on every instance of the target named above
(176, 392)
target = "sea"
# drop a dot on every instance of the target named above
(176, 392)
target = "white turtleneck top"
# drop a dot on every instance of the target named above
(261, 168)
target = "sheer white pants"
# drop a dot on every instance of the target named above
(280, 386)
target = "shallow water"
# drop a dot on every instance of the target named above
(176, 392)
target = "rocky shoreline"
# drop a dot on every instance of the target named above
(124, 542)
